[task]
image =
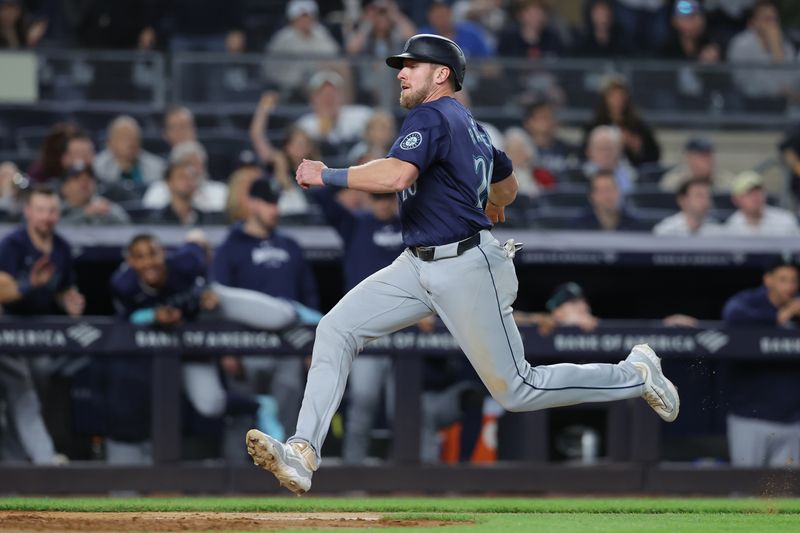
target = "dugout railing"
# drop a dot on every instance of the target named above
(633, 431)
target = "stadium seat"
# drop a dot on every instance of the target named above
(651, 198)
(565, 197)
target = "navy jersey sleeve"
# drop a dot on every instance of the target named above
(423, 140)
(502, 165)
(337, 215)
(189, 260)
(9, 257)
(222, 266)
(739, 310)
(67, 279)
(121, 294)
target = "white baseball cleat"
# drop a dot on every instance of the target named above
(659, 392)
(293, 463)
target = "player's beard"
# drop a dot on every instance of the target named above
(409, 98)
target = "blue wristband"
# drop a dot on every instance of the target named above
(334, 176)
(143, 317)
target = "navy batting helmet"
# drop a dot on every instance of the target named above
(433, 49)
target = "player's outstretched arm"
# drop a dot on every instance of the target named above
(379, 176)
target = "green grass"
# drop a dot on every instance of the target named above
(613, 515)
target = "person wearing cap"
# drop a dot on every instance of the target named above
(753, 216)
(332, 121)
(257, 256)
(82, 205)
(569, 307)
(303, 37)
(468, 35)
(690, 40)
(694, 201)
(698, 163)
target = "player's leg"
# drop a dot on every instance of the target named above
(481, 321)
(256, 309)
(365, 389)
(24, 410)
(389, 300)
(286, 386)
(204, 388)
(747, 442)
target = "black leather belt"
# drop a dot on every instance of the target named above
(428, 253)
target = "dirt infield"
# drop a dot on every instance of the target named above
(187, 521)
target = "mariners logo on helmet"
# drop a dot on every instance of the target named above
(411, 141)
(433, 49)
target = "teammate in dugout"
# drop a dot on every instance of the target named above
(452, 185)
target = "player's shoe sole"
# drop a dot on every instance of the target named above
(289, 463)
(659, 392)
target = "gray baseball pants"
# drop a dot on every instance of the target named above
(472, 294)
(758, 443)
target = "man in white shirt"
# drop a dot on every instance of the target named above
(331, 121)
(124, 159)
(694, 201)
(754, 216)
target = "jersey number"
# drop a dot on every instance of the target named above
(484, 171)
(411, 191)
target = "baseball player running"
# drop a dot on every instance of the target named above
(452, 185)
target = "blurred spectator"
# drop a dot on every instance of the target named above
(372, 240)
(204, 25)
(79, 148)
(644, 23)
(531, 178)
(12, 25)
(754, 216)
(553, 153)
(179, 125)
(690, 40)
(257, 256)
(467, 35)
(531, 37)
(790, 154)
(124, 159)
(378, 137)
(209, 196)
(764, 399)
(49, 165)
(728, 17)
(82, 205)
(12, 187)
(606, 211)
(698, 163)
(604, 153)
(763, 42)
(381, 31)
(569, 307)
(694, 201)
(491, 15)
(183, 182)
(331, 121)
(236, 208)
(36, 278)
(297, 146)
(124, 24)
(155, 288)
(303, 37)
(616, 108)
(601, 36)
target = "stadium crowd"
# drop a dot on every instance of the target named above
(610, 177)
